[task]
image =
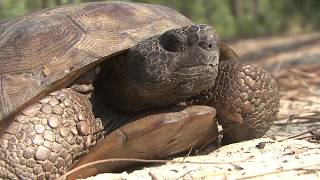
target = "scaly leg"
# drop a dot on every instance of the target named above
(48, 136)
(246, 99)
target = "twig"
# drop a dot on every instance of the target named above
(188, 154)
(311, 136)
(279, 171)
(189, 172)
(213, 139)
(300, 134)
(310, 120)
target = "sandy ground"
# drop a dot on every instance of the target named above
(294, 60)
(277, 160)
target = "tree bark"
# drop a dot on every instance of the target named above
(58, 2)
(45, 4)
(256, 7)
(236, 8)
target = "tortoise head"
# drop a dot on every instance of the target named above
(162, 70)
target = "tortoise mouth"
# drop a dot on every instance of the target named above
(195, 79)
(197, 70)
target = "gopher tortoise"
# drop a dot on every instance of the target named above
(71, 75)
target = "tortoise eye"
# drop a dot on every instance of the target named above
(171, 42)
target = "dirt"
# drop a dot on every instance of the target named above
(247, 160)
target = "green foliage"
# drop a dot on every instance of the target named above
(231, 18)
(11, 8)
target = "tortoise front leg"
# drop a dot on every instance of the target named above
(246, 99)
(48, 136)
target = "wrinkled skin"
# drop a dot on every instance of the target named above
(46, 138)
(162, 70)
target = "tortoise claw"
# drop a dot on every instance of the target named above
(83, 88)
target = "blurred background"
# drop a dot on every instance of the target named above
(231, 18)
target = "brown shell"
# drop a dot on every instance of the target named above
(47, 50)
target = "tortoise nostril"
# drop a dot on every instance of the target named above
(209, 46)
(211, 64)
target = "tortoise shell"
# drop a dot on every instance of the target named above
(47, 50)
